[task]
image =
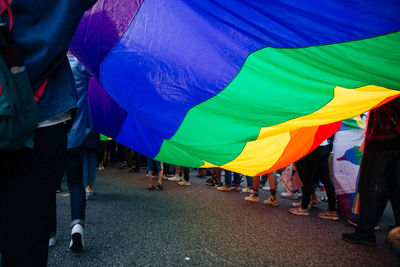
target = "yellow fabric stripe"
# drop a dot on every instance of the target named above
(347, 103)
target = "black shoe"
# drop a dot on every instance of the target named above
(133, 169)
(160, 186)
(356, 238)
(210, 182)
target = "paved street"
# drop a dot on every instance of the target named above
(127, 225)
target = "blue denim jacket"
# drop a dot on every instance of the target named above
(82, 123)
(43, 30)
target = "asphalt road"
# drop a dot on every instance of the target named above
(127, 225)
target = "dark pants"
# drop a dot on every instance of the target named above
(186, 171)
(374, 165)
(75, 184)
(315, 165)
(28, 184)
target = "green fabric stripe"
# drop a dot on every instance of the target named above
(276, 85)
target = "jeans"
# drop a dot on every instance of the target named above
(249, 181)
(89, 167)
(153, 165)
(228, 178)
(28, 184)
(74, 172)
(374, 165)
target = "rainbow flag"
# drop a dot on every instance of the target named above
(248, 85)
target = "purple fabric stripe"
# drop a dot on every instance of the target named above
(100, 29)
(107, 116)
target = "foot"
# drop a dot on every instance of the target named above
(247, 190)
(354, 222)
(210, 182)
(298, 204)
(299, 211)
(183, 182)
(218, 185)
(224, 188)
(174, 178)
(251, 198)
(271, 201)
(236, 188)
(289, 195)
(76, 243)
(356, 238)
(151, 187)
(329, 215)
(160, 186)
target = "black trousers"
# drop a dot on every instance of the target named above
(315, 166)
(28, 183)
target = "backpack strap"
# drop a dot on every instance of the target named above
(5, 5)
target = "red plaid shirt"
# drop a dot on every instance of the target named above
(381, 134)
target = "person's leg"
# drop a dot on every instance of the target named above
(382, 198)
(150, 169)
(217, 172)
(228, 182)
(272, 184)
(85, 168)
(27, 197)
(75, 184)
(91, 168)
(237, 179)
(228, 178)
(254, 196)
(323, 174)
(392, 177)
(185, 181)
(306, 173)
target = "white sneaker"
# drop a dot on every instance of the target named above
(183, 182)
(289, 195)
(52, 241)
(76, 243)
(174, 178)
(266, 188)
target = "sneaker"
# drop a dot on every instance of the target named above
(356, 238)
(183, 182)
(298, 205)
(76, 243)
(329, 215)
(134, 169)
(289, 195)
(354, 222)
(251, 198)
(272, 202)
(218, 185)
(210, 182)
(160, 186)
(174, 178)
(52, 241)
(266, 188)
(236, 188)
(224, 188)
(248, 190)
(151, 187)
(299, 211)
(165, 177)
